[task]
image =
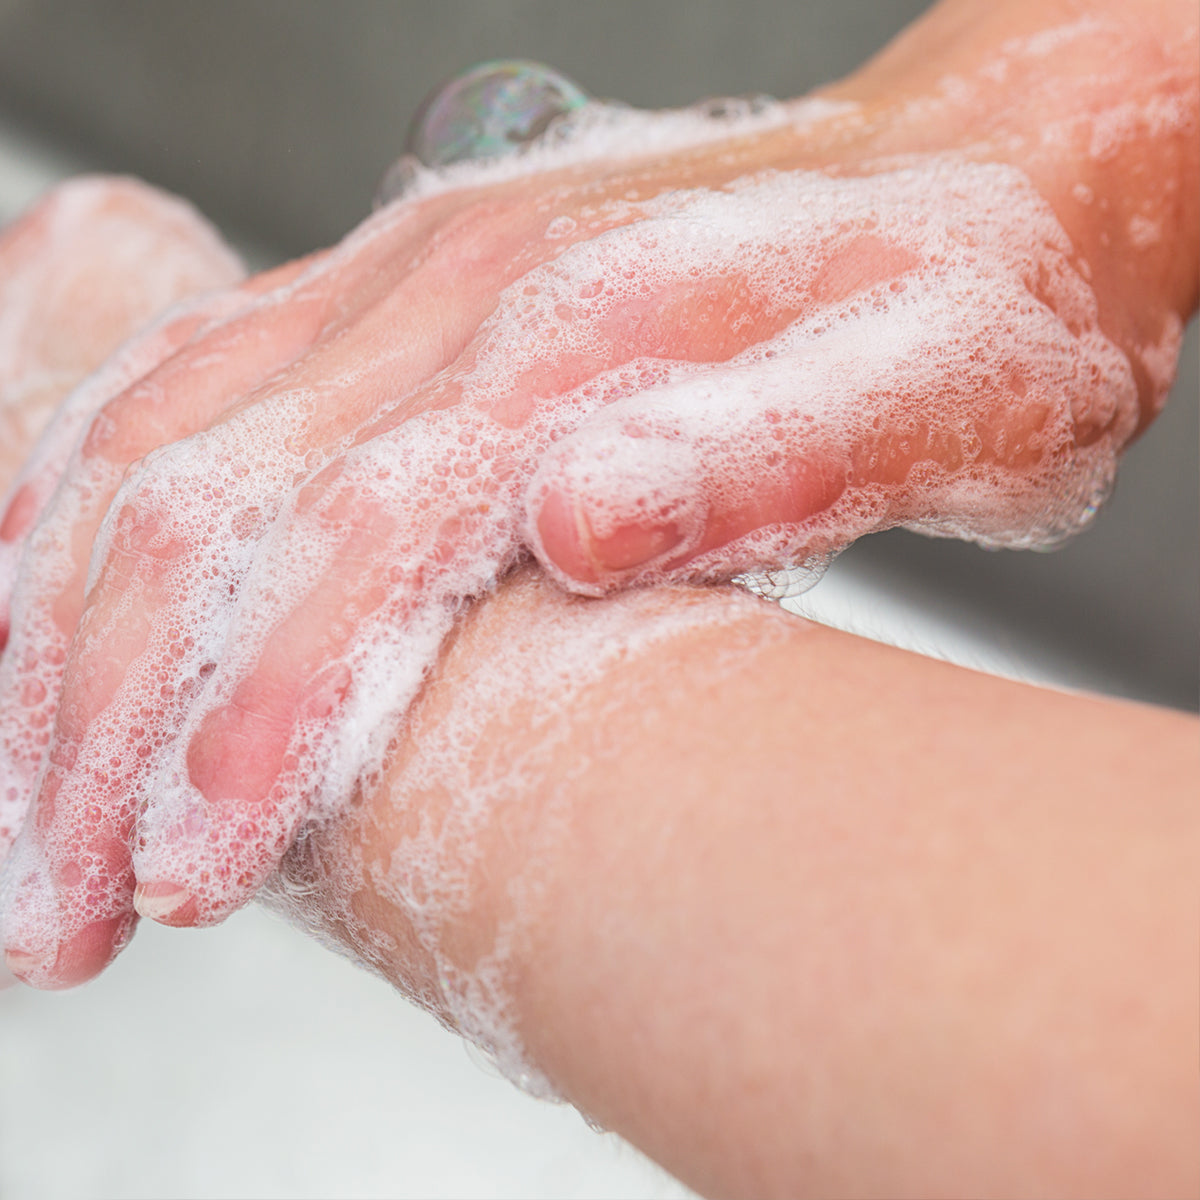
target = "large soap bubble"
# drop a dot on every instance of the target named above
(491, 110)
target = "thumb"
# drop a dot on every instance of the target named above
(699, 479)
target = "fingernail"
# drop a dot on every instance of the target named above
(633, 545)
(618, 503)
(562, 538)
(166, 903)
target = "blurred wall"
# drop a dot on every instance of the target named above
(278, 116)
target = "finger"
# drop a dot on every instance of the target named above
(970, 427)
(48, 596)
(335, 629)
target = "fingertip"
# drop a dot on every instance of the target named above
(568, 540)
(80, 958)
(21, 964)
(617, 505)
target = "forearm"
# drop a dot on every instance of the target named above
(795, 912)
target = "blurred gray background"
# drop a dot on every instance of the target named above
(277, 117)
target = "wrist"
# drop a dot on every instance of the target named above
(442, 875)
(1098, 104)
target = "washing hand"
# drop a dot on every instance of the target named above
(739, 355)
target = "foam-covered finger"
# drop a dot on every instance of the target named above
(336, 625)
(224, 810)
(61, 922)
(145, 643)
(67, 887)
(675, 477)
(261, 330)
(52, 592)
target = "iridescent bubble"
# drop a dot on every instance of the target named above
(492, 109)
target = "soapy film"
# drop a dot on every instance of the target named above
(906, 387)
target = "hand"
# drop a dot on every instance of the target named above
(85, 268)
(81, 272)
(368, 445)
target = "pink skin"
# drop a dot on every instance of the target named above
(89, 265)
(380, 438)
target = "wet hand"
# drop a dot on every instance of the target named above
(736, 356)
